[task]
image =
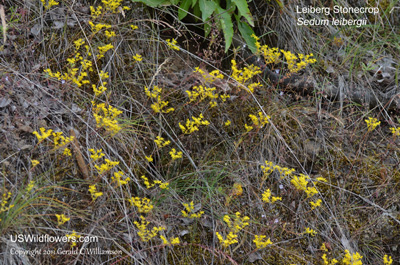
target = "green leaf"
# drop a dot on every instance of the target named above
(207, 8)
(153, 3)
(246, 31)
(184, 8)
(244, 10)
(225, 20)
(207, 28)
(197, 12)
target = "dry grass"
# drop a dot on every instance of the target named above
(315, 135)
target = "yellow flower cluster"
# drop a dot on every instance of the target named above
(315, 204)
(61, 141)
(104, 49)
(258, 122)
(145, 234)
(94, 193)
(242, 76)
(95, 12)
(73, 70)
(143, 204)
(96, 154)
(372, 123)
(231, 238)
(301, 183)
(161, 142)
(235, 227)
(201, 93)
(310, 231)
(108, 165)
(49, 4)
(260, 242)
(62, 219)
(189, 208)
(268, 198)
(35, 163)
(352, 259)
(395, 131)
(58, 139)
(270, 167)
(137, 57)
(292, 60)
(119, 180)
(172, 44)
(325, 258)
(387, 260)
(272, 55)
(44, 134)
(114, 5)
(4, 200)
(192, 126)
(209, 77)
(326, 261)
(108, 117)
(162, 185)
(110, 34)
(72, 238)
(174, 154)
(30, 186)
(173, 241)
(159, 105)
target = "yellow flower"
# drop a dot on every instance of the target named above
(395, 131)
(31, 185)
(189, 208)
(174, 154)
(137, 57)
(387, 260)
(161, 142)
(143, 204)
(44, 134)
(230, 239)
(118, 178)
(260, 243)
(62, 219)
(372, 123)
(266, 197)
(35, 163)
(172, 44)
(134, 27)
(315, 204)
(175, 241)
(149, 158)
(93, 192)
(310, 231)
(106, 166)
(248, 128)
(73, 238)
(110, 34)
(96, 154)
(67, 152)
(352, 259)
(145, 234)
(50, 3)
